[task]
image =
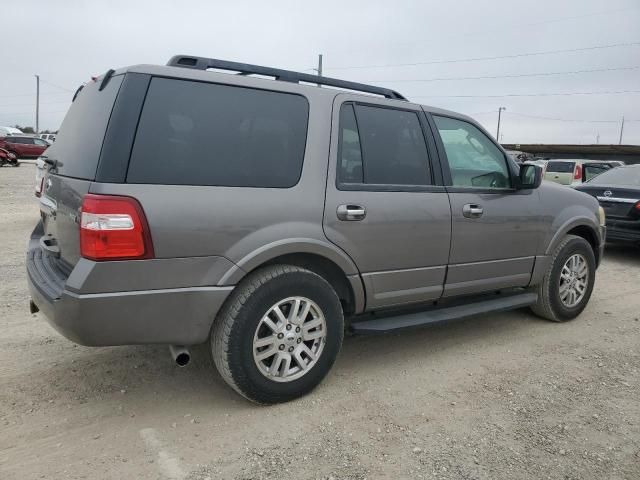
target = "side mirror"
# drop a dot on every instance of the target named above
(530, 177)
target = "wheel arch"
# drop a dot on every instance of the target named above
(326, 260)
(581, 227)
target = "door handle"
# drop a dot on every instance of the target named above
(351, 212)
(472, 210)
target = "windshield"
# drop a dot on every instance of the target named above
(622, 176)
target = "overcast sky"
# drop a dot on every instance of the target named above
(66, 42)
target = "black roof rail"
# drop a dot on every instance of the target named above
(202, 63)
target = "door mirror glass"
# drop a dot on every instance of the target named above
(530, 176)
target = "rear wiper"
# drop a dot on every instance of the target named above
(52, 162)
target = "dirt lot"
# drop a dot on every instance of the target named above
(507, 396)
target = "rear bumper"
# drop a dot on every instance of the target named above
(180, 316)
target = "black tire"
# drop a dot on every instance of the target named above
(231, 342)
(549, 304)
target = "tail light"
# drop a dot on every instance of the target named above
(114, 228)
(636, 207)
(578, 174)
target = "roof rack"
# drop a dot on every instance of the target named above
(201, 63)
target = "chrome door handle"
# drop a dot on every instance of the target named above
(472, 210)
(351, 212)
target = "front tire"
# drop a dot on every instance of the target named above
(278, 334)
(568, 282)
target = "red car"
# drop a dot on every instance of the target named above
(24, 146)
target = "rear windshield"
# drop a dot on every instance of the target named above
(561, 167)
(78, 143)
(194, 133)
(622, 176)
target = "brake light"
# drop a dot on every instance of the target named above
(39, 187)
(637, 206)
(114, 228)
(578, 174)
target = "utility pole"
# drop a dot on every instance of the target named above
(598, 139)
(37, 103)
(320, 65)
(499, 115)
(621, 130)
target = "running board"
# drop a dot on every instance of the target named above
(444, 314)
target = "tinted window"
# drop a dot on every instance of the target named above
(623, 176)
(350, 162)
(382, 146)
(561, 167)
(80, 138)
(474, 160)
(193, 133)
(40, 142)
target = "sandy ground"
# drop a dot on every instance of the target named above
(506, 396)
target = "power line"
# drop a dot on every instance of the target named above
(551, 118)
(530, 94)
(41, 103)
(31, 94)
(480, 59)
(515, 75)
(57, 86)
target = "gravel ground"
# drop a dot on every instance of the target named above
(505, 396)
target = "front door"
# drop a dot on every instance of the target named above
(495, 228)
(385, 203)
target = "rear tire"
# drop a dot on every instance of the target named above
(568, 282)
(278, 334)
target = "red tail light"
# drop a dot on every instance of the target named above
(636, 207)
(114, 228)
(578, 174)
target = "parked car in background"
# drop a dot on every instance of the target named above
(571, 172)
(24, 146)
(618, 191)
(265, 217)
(49, 137)
(4, 131)
(8, 158)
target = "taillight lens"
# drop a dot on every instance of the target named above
(578, 174)
(114, 228)
(636, 207)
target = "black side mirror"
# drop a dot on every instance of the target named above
(530, 177)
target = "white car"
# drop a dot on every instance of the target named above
(49, 137)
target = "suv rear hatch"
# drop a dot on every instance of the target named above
(561, 171)
(71, 164)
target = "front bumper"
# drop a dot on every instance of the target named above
(181, 316)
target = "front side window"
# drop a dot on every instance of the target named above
(474, 160)
(194, 133)
(382, 146)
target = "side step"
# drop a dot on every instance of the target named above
(444, 314)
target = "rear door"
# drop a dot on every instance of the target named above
(495, 228)
(385, 203)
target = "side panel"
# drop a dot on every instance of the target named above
(237, 222)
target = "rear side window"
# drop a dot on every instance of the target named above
(561, 167)
(79, 141)
(382, 146)
(194, 133)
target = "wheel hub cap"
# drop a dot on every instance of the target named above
(574, 279)
(289, 339)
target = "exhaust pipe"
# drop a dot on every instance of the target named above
(180, 355)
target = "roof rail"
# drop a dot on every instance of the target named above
(201, 63)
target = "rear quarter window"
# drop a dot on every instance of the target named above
(195, 133)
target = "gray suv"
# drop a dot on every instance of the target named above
(268, 216)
